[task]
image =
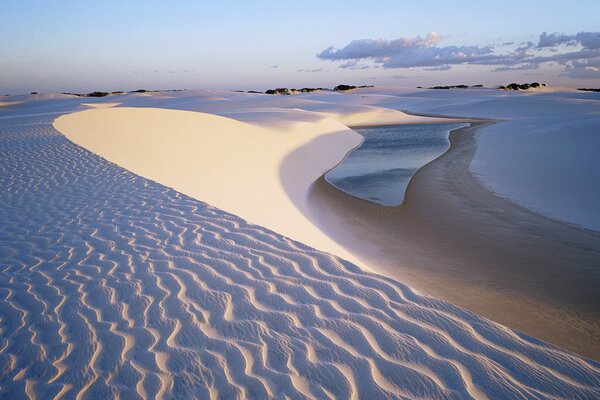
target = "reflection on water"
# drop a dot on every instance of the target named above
(381, 168)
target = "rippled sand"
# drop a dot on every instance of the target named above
(113, 285)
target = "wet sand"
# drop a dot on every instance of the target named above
(456, 240)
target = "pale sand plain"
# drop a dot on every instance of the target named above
(453, 238)
(115, 285)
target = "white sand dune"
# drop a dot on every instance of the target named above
(227, 163)
(241, 168)
(113, 285)
(8, 103)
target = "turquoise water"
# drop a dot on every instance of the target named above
(380, 169)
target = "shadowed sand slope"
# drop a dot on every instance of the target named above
(115, 286)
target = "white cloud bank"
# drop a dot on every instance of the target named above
(579, 54)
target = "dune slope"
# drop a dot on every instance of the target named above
(240, 167)
(113, 285)
(227, 163)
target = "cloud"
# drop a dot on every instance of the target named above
(522, 67)
(427, 53)
(407, 53)
(440, 68)
(589, 40)
(368, 48)
(583, 69)
(555, 39)
(353, 64)
(310, 70)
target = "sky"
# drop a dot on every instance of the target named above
(76, 46)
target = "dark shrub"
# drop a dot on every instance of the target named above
(97, 94)
(343, 88)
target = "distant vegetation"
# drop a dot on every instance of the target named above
(512, 86)
(450, 87)
(104, 94)
(94, 94)
(282, 91)
(310, 89)
(288, 91)
(589, 89)
(343, 88)
(522, 86)
(98, 94)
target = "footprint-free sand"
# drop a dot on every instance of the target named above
(117, 281)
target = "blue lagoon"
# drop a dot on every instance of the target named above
(380, 169)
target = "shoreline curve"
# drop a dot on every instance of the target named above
(475, 249)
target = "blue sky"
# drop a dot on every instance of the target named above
(110, 45)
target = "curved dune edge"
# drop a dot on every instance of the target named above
(229, 164)
(8, 103)
(100, 105)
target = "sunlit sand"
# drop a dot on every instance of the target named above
(178, 245)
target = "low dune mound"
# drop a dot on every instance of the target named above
(8, 103)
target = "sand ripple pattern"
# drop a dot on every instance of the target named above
(115, 286)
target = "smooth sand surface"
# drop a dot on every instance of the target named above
(115, 286)
(456, 240)
(8, 103)
(100, 105)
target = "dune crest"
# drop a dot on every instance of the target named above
(227, 163)
(100, 105)
(240, 167)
